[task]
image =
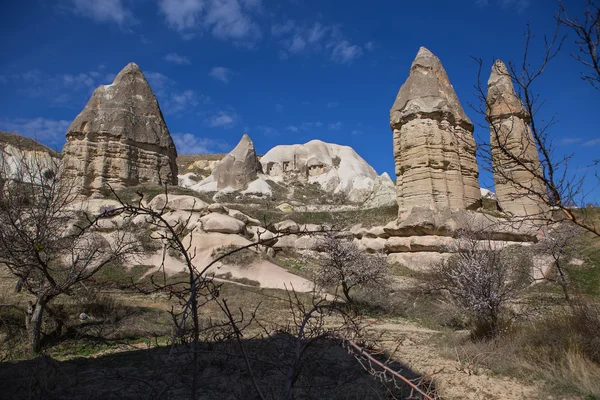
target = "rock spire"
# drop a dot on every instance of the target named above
(515, 158)
(238, 168)
(434, 148)
(120, 138)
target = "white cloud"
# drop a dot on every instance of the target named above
(370, 46)
(335, 126)
(42, 129)
(177, 59)
(316, 38)
(221, 74)
(112, 11)
(187, 143)
(225, 19)
(182, 14)
(292, 128)
(222, 119)
(3, 79)
(333, 104)
(482, 3)
(311, 125)
(229, 21)
(357, 132)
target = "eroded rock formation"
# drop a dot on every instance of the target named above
(238, 168)
(337, 169)
(120, 138)
(434, 148)
(515, 159)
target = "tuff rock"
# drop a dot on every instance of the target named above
(434, 148)
(120, 138)
(515, 159)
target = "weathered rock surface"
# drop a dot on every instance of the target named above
(221, 223)
(337, 169)
(23, 159)
(177, 202)
(434, 148)
(515, 159)
(120, 138)
(238, 168)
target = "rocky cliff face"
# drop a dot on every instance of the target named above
(24, 159)
(434, 148)
(120, 138)
(515, 157)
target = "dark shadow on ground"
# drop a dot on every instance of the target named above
(327, 372)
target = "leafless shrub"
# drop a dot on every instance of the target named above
(345, 265)
(41, 244)
(482, 280)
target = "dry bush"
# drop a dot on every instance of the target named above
(561, 349)
(345, 265)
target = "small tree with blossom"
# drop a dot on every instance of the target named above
(482, 279)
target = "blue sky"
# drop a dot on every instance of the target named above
(284, 71)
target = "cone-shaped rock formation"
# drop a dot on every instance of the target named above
(515, 159)
(120, 138)
(434, 149)
(238, 168)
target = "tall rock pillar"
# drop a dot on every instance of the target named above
(120, 138)
(515, 159)
(434, 148)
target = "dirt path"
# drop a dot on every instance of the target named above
(414, 346)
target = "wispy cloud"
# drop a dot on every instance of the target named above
(297, 38)
(188, 143)
(46, 130)
(172, 99)
(569, 141)
(594, 142)
(519, 5)
(3, 79)
(67, 89)
(333, 104)
(224, 19)
(177, 59)
(268, 130)
(292, 128)
(222, 119)
(335, 126)
(279, 107)
(221, 74)
(109, 11)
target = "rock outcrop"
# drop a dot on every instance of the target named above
(23, 159)
(235, 171)
(120, 138)
(337, 169)
(515, 159)
(434, 148)
(238, 168)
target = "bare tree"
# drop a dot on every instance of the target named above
(43, 243)
(482, 280)
(345, 265)
(587, 30)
